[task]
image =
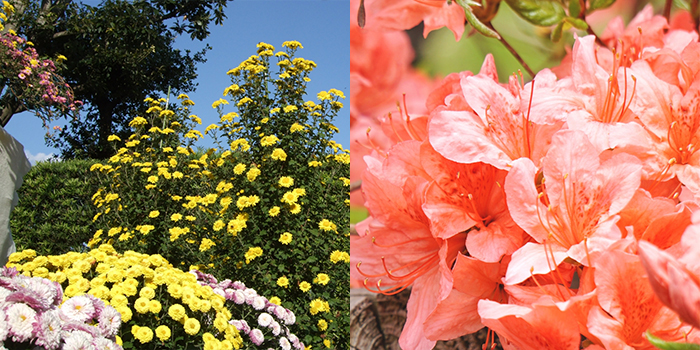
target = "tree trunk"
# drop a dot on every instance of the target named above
(376, 322)
(104, 126)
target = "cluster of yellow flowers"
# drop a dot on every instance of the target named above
(318, 305)
(137, 283)
(253, 253)
(327, 225)
(338, 256)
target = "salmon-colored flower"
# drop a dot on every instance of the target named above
(469, 197)
(628, 306)
(405, 14)
(396, 248)
(676, 281)
(494, 126)
(380, 77)
(671, 117)
(571, 206)
(456, 314)
(541, 325)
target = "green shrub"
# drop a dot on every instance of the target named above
(268, 207)
(54, 213)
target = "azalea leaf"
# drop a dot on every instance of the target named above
(539, 12)
(556, 33)
(574, 8)
(576, 23)
(666, 345)
(474, 21)
(600, 4)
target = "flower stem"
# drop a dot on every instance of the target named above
(512, 51)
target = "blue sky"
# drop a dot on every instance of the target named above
(321, 26)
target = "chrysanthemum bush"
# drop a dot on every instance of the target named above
(560, 213)
(160, 306)
(29, 80)
(267, 207)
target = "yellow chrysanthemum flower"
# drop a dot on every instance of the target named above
(253, 253)
(279, 154)
(192, 326)
(296, 127)
(163, 332)
(286, 181)
(322, 279)
(283, 282)
(327, 225)
(285, 238)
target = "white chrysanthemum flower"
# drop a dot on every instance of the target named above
(290, 318)
(106, 344)
(276, 328)
(220, 292)
(4, 326)
(280, 312)
(256, 336)
(48, 330)
(79, 309)
(259, 303)
(264, 319)
(4, 292)
(20, 318)
(44, 290)
(295, 341)
(109, 321)
(284, 344)
(239, 297)
(241, 325)
(78, 340)
(250, 295)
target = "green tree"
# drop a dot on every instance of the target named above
(117, 54)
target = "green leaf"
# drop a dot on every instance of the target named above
(539, 12)
(556, 33)
(574, 8)
(600, 4)
(576, 23)
(662, 344)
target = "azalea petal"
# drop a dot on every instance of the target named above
(543, 326)
(521, 195)
(571, 157)
(533, 259)
(453, 317)
(625, 294)
(423, 300)
(499, 238)
(476, 278)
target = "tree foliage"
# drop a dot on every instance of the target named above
(117, 54)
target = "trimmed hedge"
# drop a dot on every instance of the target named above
(55, 211)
